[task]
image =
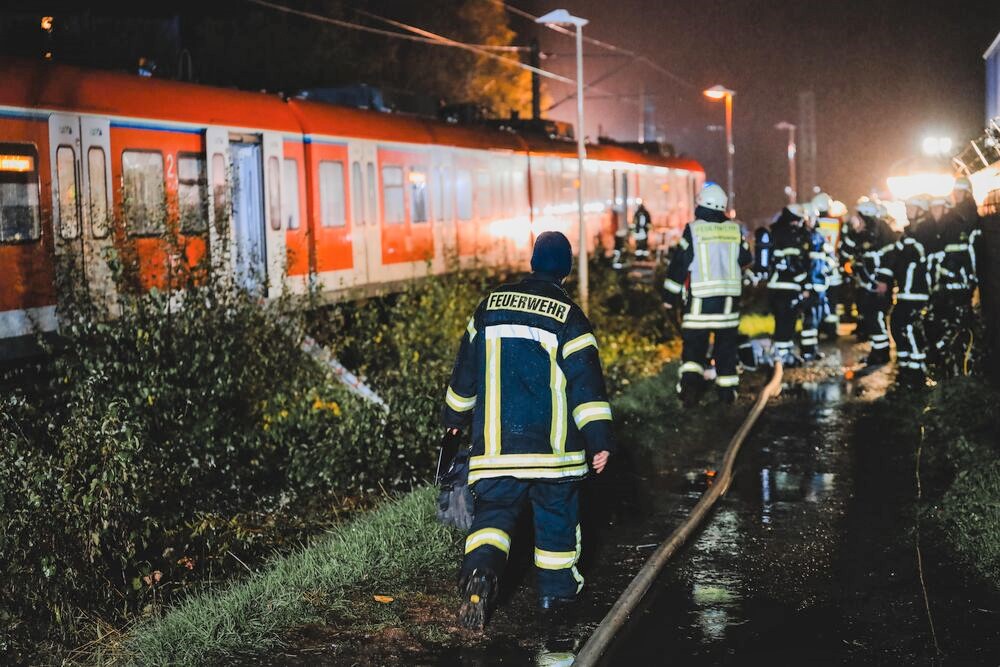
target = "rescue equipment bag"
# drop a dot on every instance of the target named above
(455, 504)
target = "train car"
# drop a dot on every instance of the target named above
(284, 194)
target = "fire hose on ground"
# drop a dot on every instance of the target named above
(620, 613)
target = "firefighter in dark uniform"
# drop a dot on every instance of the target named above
(826, 222)
(815, 307)
(707, 273)
(641, 223)
(905, 264)
(528, 381)
(954, 281)
(786, 284)
(862, 248)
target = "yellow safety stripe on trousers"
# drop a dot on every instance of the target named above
(491, 536)
(590, 412)
(557, 386)
(579, 549)
(692, 367)
(491, 420)
(554, 560)
(459, 403)
(529, 473)
(672, 286)
(471, 328)
(727, 380)
(579, 343)
(710, 324)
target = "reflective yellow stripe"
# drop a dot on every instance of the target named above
(459, 403)
(492, 416)
(529, 473)
(683, 243)
(727, 380)
(579, 549)
(691, 367)
(672, 286)
(579, 343)
(557, 385)
(471, 328)
(554, 560)
(593, 411)
(491, 536)
(527, 460)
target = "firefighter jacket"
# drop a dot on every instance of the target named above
(790, 247)
(955, 262)
(707, 270)
(863, 248)
(640, 223)
(817, 278)
(763, 252)
(907, 262)
(528, 379)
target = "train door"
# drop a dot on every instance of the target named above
(366, 240)
(276, 254)
(81, 194)
(249, 251)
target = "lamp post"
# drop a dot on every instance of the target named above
(792, 190)
(718, 92)
(563, 17)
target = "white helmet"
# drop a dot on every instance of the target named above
(712, 196)
(867, 208)
(838, 209)
(883, 211)
(796, 210)
(821, 203)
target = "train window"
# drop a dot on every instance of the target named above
(484, 194)
(393, 204)
(192, 193)
(97, 193)
(19, 213)
(372, 199)
(69, 215)
(145, 203)
(331, 193)
(418, 194)
(274, 192)
(357, 198)
(220, 200)
(290, 198)
(463, 194)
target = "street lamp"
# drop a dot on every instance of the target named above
(563, 17)
(936, 146)
(718, 92)
(784, 125)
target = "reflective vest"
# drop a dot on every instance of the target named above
(715, 269)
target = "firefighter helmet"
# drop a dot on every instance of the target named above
(838, 209)
(821, 203)
(868, 208)
(713, 197)
(962, 183)
(923, 202)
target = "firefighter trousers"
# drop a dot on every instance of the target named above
(556, 508)
(785, 306)
(908, 332)
(813, 311)
(725, 351)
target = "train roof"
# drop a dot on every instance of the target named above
(57, 87)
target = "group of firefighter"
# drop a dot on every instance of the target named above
(817, 260)
(528, 391)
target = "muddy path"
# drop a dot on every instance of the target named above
(809, 557)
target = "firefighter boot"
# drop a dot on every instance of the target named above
(478, 597)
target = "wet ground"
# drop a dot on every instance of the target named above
(810, 558)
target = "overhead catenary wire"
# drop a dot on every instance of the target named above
(436, 40)
(645, 60)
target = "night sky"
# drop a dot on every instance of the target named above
(885, 73)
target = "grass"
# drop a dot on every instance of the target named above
(383, 552)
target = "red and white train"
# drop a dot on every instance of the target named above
(344, 197)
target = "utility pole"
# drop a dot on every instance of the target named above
(807, 143)
(535, 60)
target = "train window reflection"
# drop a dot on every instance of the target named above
(19, 196)
(97, 193)
(484, 194)
(144, 205)
(393, 204)
(274, 192)
(463, 194)
(192, 193)
(290, 193)
(331, 193)
(69, 215)
(418, 194)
